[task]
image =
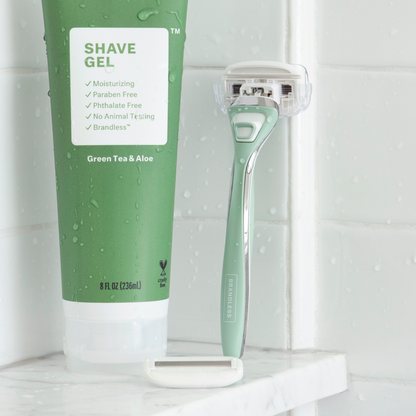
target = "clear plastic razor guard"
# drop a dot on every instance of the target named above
(287, 84)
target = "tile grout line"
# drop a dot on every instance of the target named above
(376, 380)
(368, 225)
(288, 233)
(203, 68)
(302, 190)
(224, 220)
(316, 200)
(359, 68)
(26, 71)
(28, 229)
(22, 71)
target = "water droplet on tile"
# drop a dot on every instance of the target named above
(393, 32)
(361, 397)
(215, 38)
(377, 267)
(205, 207)
(273, 210)
(333, 260)
(22, 23)
(339, 200)
(262, 250)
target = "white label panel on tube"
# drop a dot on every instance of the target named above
(119, 86)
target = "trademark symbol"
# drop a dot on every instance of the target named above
(175, 31)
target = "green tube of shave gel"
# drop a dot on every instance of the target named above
(115, 69)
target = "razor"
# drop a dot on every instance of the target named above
(254, 95)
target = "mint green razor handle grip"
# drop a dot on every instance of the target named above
(251, 126)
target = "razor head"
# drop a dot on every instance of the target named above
(286, 84)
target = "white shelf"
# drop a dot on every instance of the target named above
(274, 382)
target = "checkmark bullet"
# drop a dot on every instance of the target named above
(87, 95)
(88, 127)
(88, 84)
(89, 105)
(87, 117)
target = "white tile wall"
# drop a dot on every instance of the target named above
(27, 169)
(21, 34)
(30, 307)
(30, 286)
(366, 146)
(367, 287)
(372, 397)
(221, 33)
(366, 32)
(366, 201)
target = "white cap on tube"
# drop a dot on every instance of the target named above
(114, 337)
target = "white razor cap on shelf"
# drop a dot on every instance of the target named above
(193, 372)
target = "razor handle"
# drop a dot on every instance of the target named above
(251, 126)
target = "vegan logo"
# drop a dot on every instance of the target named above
(163, 264)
